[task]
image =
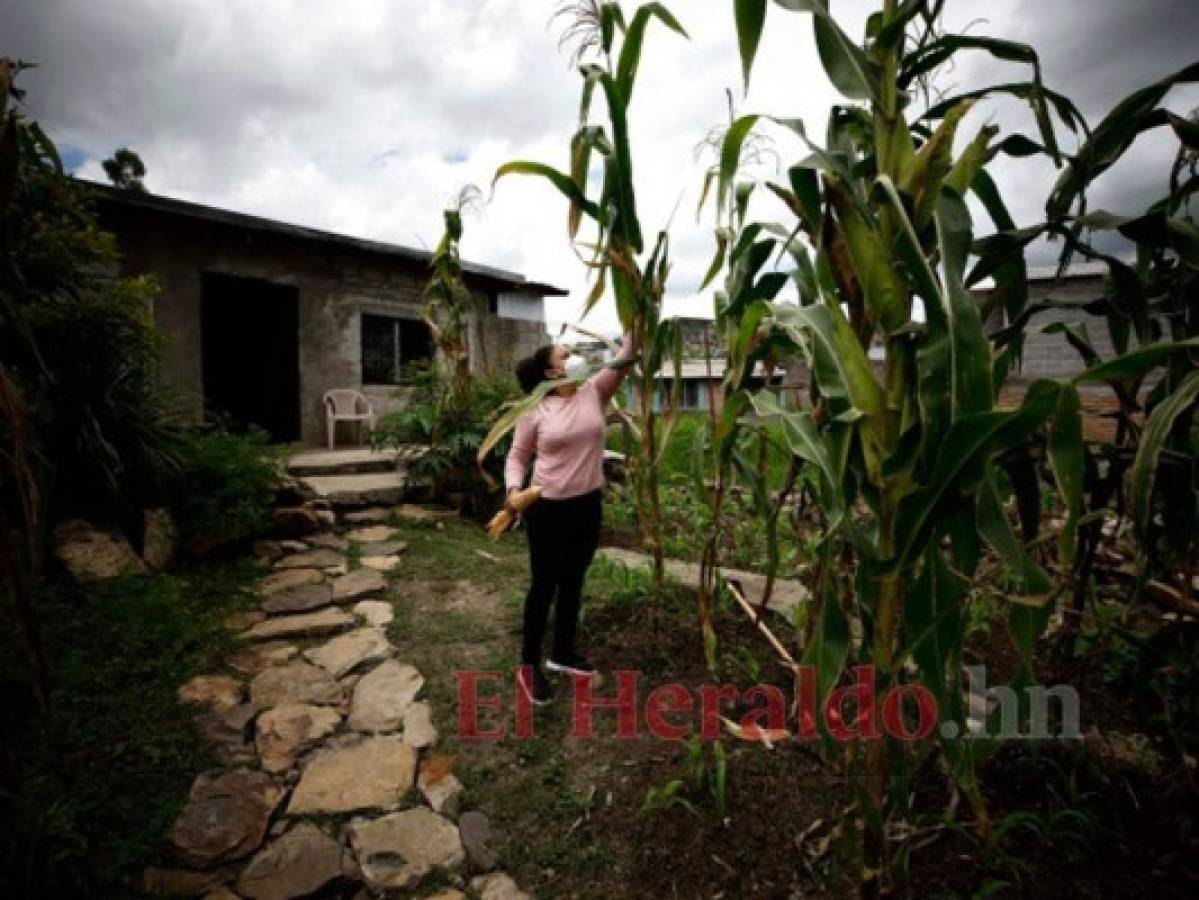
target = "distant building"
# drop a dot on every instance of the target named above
(262, 317)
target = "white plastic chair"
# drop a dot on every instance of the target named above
(347, 405)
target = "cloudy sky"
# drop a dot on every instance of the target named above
(366, 116)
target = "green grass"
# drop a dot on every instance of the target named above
(103, 777)
(677, 458)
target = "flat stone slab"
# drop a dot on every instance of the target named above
(418, 726)
(356, 584)
(497, 886)
(414, 512)
(214, 691)
(287, 730)
(260, 657)
(370, 516)
(304, 598)
(343, 461)
(313, 624)
(786, 596)
(383, 695)
(297, 682)
(381, 563)
(327, 541)
(283, 580)
(376, 773)
(366, 489)
(316, 559)
(442, 795)
(474, 828)
(346, 653)
(371, 534)
(375, 612)
(226, 817)
(298, 864)
(385, 548)
(397, 851)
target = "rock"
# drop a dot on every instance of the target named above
(226, 817)
(240, 621)
(497, 886)
(304, 598)
(474, 829)
(227, 732)
(179, 882)
(314, 559)
(267, 550)
(443, 795)
(328, 541)
(288, 578)
(215, 691)
(418, 726)
(295, 521)
(425, 515)
(376, 612)
(297, 682)
(327, 517)
(296, 865)
(381, 563)
(313, 624)
(375, 773)
(348, 652)
(1125, 751)
(221, 894)
(159, 539)
(337, 571)
(385, 548)
(90, 554)
(366, 516)
(383, 696)
(293, 546)
(447, 894)
(372, 534)
(397, 851)
(253, 660)
(286, 731)
(357, 584)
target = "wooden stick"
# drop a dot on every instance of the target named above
(753, 617)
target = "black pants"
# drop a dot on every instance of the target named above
(563, 536)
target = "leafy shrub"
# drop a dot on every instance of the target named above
(453, 432)
(227, 486)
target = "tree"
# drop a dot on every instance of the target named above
(126, 170)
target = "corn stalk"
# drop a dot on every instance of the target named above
(617, 247)
(905, 454)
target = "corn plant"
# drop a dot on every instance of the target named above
(448, 302)
(609, 51)
(906, 453)
(1148, 299)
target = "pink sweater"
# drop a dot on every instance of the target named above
(567, 436)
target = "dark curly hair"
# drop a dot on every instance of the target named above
(530, 371)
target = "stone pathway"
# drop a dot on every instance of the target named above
(332, 786)
(784, 598)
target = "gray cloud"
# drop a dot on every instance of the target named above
(366, 116)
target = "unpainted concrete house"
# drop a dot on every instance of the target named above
(262, 317)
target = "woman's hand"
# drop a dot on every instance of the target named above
(512, 492)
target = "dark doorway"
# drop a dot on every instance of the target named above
(250, 341)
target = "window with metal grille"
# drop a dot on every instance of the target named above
(391, 343)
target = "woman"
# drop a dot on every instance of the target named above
(565, 432)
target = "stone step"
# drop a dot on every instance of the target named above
(352, 460)
(363, 489)
(786, 596)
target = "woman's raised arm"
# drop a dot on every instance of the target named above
(608, 380)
